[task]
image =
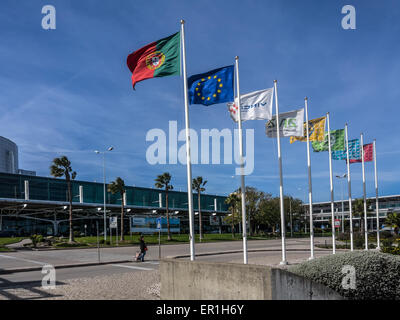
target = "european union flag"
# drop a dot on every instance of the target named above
(215, 86)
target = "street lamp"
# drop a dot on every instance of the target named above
(342, 177)
(104, 187)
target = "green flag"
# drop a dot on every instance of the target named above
(337, 142)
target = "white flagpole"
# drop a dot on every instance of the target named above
(278, 139)
(349, 185)
(331, 185)
(309, 183)
(376, 200)
(243, 188)
(188, 161)
(364, 193)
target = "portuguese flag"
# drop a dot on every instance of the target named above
(158, 59)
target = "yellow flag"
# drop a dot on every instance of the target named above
(316, 130)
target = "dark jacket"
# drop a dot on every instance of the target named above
(142, 246)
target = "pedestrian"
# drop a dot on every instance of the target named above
(143, 248)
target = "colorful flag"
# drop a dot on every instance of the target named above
(290, 124)
(337, 142)
(215, 86)
(157, 59)
(316, 131)
(354, 151)
(256, 105)
(368, 154)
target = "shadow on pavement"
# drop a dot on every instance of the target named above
(25, 290)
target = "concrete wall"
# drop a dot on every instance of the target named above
(198, 280)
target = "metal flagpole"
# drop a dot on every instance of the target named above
(104, 197)
(278, 139)
(377, 199)
(243, 188)
(349, 185)
(331, 185)
(309, 183)
(364, 193)
(188, 161)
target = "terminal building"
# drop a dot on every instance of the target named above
(322, 211)
(32, 204)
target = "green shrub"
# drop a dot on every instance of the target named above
(391, 250)
(36, 238)
(387, 243)
(70, 245)
(359, 243)
(377, 274)
(386, 234)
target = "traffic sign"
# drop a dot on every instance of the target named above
(337, 223)
(158, 223)
(113, 222)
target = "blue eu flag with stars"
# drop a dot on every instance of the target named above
(215, 86)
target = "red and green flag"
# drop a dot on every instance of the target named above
(157, 59)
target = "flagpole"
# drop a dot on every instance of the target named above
(243, 188)
(349, 185)
(331, 185)
(364, 193)
(281, 196)
(188, 161)
(309, 183)
(376, 199)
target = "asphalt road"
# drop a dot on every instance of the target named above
(27, 258)
(118, 280)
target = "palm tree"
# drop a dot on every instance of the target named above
(118, 186)
(163, 181)
(198, 185)
(62, 167)
(233, 200)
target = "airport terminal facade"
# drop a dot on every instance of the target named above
(32, 204)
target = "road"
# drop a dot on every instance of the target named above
(29, 259)
(121, 280)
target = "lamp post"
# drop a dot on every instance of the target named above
(104, 187)
(343, 176)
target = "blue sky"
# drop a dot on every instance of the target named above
(68, 91)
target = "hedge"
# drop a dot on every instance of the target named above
(377, 274)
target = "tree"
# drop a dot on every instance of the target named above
(252, 197)
(233, 200)
(198, 185)
(293, 210)
(163, 181)
(62, 167)
(269, 212)
(118, 186)
(358, 211)
(393, 221)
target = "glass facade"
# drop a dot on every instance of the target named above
(12, 186)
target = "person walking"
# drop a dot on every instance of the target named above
(143, 249)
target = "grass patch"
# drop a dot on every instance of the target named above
(5, 241)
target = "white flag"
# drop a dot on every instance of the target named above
(256, 105)
(291, 124)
